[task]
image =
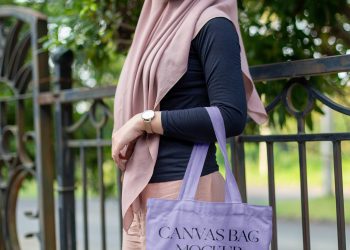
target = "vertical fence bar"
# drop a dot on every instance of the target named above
(338, 181)
(304, 196)
(303, 184)
(272, 193)
(119, 184)
(85, 210)
(238, 165)
(102, 190)
(2, 240)
(43, 137)
(64, 158)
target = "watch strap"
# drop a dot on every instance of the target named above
(148, 127)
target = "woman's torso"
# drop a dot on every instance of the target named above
(173, 154)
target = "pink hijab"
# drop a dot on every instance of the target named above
(156, 60)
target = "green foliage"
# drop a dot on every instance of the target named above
(276, 31)
(322, 209)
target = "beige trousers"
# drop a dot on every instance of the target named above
(211, 187)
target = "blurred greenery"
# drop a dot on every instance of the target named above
(320, 209)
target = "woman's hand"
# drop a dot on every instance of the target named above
(125, 139)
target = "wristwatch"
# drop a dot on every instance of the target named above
(147, 117)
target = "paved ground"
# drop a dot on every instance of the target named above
(323, 235)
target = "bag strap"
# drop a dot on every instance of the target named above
(197, 159)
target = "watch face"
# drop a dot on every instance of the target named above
(148, 114)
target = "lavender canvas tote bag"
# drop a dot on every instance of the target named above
(188, 224)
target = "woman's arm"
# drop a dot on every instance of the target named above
(217, 44)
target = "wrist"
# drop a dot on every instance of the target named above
(139, 123)
(156, 123)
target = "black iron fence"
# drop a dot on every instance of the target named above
(44, 117)
(25, 72)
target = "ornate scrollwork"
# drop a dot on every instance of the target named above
(288, 102)
(16, 163)
(98, 115)
(285, 97)
(14, 70)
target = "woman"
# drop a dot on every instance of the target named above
(185, 55)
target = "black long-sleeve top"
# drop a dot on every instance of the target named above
(213, 78)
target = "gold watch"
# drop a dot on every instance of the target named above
(147, 117)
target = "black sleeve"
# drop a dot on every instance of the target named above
(218, 46)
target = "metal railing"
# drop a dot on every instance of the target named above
(24, 70)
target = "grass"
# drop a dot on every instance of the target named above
(320, 209)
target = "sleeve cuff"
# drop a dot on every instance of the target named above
(164, 120)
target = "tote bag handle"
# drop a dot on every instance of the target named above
(197, 159)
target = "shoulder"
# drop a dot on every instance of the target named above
(218, 22)
(217, 29)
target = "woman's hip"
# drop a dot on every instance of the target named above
(211, 187)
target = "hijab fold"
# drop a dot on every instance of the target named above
(156, 60)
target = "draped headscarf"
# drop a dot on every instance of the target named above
(156, 60)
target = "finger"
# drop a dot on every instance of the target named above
(130, 149)
(122, 176)
(114, 157)
(112, 154)
(121, 166)
(129, 152)
(116, 153)
(122, 156)
(117, 160)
